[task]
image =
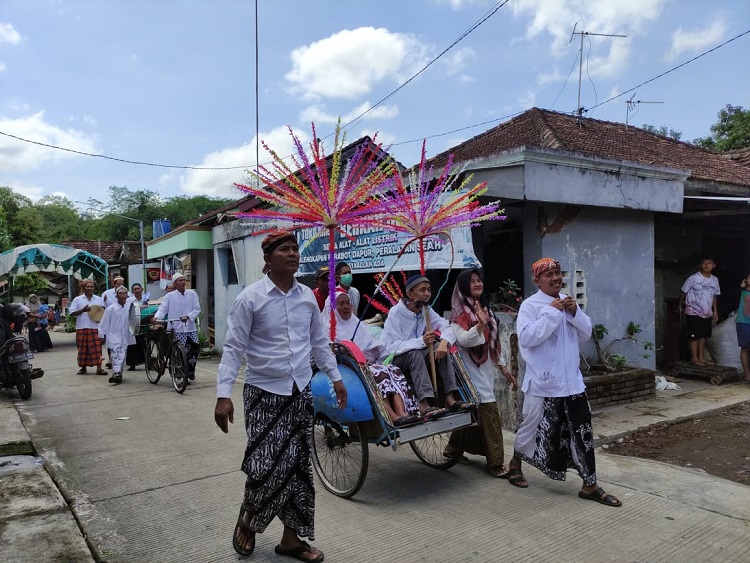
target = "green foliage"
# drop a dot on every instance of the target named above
(664, 131)
(507, 298)
(29, 283)
(617, 361)
(730, 132)
(16, 227)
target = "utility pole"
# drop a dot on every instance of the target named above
(630, 106)
(579, 108)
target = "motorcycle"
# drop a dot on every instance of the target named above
(15, 355)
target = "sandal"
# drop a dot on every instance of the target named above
(296, 552)
(101, 372)
(600, 496)
(460, 406)
(516, 478)
(406, 419)
(81, 371)
(433, 413)
(500, 472)
(246, 532)
(463, 460)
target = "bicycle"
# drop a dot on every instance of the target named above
(165, 352)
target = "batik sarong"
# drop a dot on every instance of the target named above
(189, 341)
(484, 439)
(89, 347)
(391, 381)
(117, 357)
(555, 434)
(277, 459)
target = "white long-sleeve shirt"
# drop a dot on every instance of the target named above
(176, 305)
(483, 375)
(548, 340)
(83, 320)
(403, 329)
(114, 326)
(276, 333)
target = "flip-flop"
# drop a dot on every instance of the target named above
(245, 531)
(433, 413)
(296, 552)
(101, 372)
(460, 406)
(601, 497)
(406, 420)
(463, 460)
(515, 477)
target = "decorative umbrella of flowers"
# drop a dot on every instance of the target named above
(425, 209)
(324, 193)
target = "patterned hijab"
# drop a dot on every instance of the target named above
(462, 313)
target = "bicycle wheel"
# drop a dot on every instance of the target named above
(154, 361)
(340, 455)
(178, 367)
(431, 450)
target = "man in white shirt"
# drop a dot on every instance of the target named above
(109, 298)
(275, 324)
(181, 307)
(115, 331)
(405, 336)
(555, 431)
(87, 329)
(136, 353)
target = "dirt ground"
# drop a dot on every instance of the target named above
(718, 444)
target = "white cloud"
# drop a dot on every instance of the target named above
(527, 99)
(318, 115)
(30, 190)
(22, 156)
(220, 183)
(348, 64)
(697, 40)
(456, 61)
(557, 17)
(466, 79)
(8, 34)
(458, 4)
(3, 66)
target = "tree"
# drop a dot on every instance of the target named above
(663, 131)
(60, 219)
(18, 230)
(26, 284)
(730, 132)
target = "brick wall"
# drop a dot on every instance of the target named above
(629, 386)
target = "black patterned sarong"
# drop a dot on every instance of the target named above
(278, 459)
(555, 434)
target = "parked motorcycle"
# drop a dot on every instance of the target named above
(15, 354)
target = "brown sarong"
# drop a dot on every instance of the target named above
(485, 439)
(89, 347)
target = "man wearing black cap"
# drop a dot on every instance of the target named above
(322, 277)
(406, 337)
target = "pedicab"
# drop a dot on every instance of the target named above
(341, 437)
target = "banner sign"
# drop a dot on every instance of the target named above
(375, 250)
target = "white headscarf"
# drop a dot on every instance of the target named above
(345, 329)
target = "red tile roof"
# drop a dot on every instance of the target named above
(109, 251)
(605, 139)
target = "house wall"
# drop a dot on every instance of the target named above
(248, 257)
(614, 251)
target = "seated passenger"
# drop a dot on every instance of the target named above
(399, 401)
(405, 335)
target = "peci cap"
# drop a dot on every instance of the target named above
(415, 280)
(322, 271)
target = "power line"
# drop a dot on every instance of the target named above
(673, 69)
(487, 15)
(179, 167)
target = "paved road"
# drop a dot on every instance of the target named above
(152, 479)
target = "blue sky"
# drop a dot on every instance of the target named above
(173, 81)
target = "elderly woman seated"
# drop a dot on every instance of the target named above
(399, 399)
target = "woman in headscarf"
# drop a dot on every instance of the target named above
(477, 337)
(35, 340)
(399, 402)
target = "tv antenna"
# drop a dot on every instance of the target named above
(579, 108)
(631, 104)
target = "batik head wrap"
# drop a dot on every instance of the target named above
(463, 314)
(274, 240)
(542, 265)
